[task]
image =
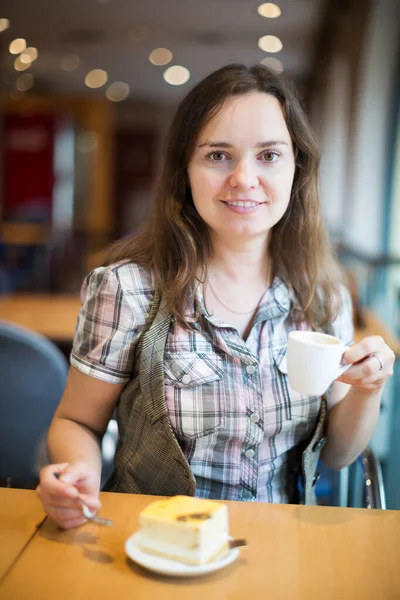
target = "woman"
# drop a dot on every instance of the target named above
(185, 328)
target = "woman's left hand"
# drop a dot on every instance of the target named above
(372, 364)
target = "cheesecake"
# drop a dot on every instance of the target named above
(186, 529)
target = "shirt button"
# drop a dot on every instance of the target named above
(232, 339)
(250, 369)
(186, 379)
(247, 494)
(254, 418)
(249, 453)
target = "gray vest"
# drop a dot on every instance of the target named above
(149, 459)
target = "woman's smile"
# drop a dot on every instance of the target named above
(242, 207)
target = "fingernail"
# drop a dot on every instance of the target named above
(67, 478)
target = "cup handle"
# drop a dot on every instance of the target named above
(343, 369)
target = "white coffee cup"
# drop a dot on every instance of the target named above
(313, 361)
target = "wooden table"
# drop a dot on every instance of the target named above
(53, 316)
(20, 515)
(25, 234)
(294, 553)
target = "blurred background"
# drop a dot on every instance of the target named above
(88, 89)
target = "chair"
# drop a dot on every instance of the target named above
(361, 484)
(33, 373)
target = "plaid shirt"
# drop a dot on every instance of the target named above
(228, 400)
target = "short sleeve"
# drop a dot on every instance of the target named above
(107, 332)
(343, 326)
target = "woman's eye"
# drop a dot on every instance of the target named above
(270, 156)
(216, 156)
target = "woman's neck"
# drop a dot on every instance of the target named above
(240, 262)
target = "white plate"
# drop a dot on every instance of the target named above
(173, 568)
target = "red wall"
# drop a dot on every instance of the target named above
(29, 167)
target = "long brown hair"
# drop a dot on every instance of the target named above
(174, 242)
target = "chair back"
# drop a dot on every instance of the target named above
(33, 373)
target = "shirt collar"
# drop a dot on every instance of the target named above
(276, 300)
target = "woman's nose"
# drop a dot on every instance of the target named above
(244, 175)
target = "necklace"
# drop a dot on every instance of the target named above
(236, 312)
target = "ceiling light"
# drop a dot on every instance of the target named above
(4, 24)
(160, 57)
(24, 82)
(118, 91)
(20, 66)
(269, 10)
(96, 78)
(270, 43)
(17, 46)
(139, 32)
(70, 62)
(176, 75)
(29, 55)
(272, 63)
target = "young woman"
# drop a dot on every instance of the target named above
(185, 328)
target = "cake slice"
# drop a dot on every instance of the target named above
(190, 530)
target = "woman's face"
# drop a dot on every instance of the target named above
(242, 168)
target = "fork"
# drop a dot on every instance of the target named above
(87, 513)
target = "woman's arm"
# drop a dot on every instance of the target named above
(81, 419)
(74, 447)
(350, 427)
(353, 415)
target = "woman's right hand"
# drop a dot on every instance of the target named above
(59, 487)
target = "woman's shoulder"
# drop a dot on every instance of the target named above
(131, 277)
(125, 283)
